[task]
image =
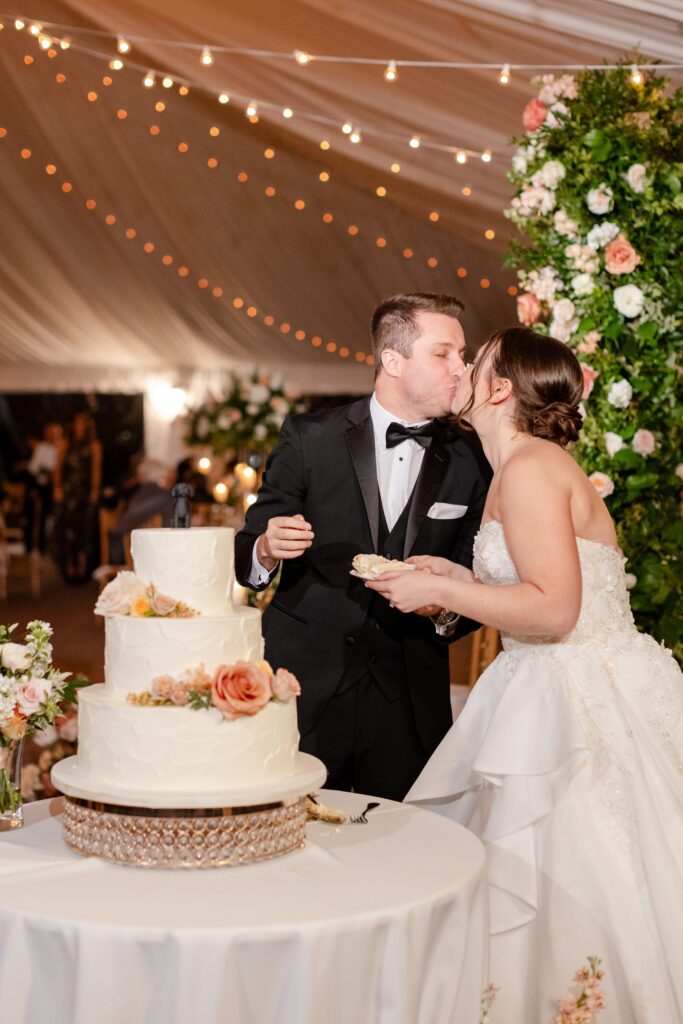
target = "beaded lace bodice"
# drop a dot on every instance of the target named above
(605, 609)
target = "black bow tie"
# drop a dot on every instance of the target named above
(397, 433)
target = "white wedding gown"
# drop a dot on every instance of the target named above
(567, 761)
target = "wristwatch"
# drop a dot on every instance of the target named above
(445, 621)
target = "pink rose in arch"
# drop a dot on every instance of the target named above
(589, 378)
(528, 309)
(240, 689)
(620, 256)
(644, 442)
(534, 116)
(285, 685)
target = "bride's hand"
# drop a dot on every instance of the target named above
(406, 591)
(442, 567)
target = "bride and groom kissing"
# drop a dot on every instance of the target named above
(566, 760)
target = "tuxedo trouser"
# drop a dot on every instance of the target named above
(368, 744)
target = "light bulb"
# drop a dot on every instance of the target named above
(148, 80)
(504, 75)
(122, 45)
(204, 464)
(461, 157)
(391, 71)
(252, 110)
(224, 98)
(35, 29)
(207, 56)
(636, 75)
(301, 57)
(288, 112)
(167, 82)
(45, 42)
(414, 142)
(347, 128)
(115, 65)
(65, 44)
(19, 24)
(487, 156)
(355, 136)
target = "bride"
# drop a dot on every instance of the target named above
(567, 759)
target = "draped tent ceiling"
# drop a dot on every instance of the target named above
(84, 306)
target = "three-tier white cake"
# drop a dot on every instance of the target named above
(139, 754)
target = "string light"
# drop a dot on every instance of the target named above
(487, 156)
(391, 72)
(148, 80)
(461, 157)
(288, 112)
(116, 65)
(347, 128)
(356, 136)
(302, 57)
(636, 76)
(207, 56)
(45, 42)
(224, 98)
(19, 24)
(504, 75)
(167, 82)
(122, 45)
(35, 29)
(65, 43)
(252, 109)
(414, 142)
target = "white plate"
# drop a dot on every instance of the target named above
(353, 572)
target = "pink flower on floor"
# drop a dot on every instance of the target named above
(589, 377)
(528, 309)
(534, 116)
(241, 689)
(285, 685)
(620, 256)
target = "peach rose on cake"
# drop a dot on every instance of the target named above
(162, 687)
(161, 604)
(117, 596)
(620, 256)
(240, 689)
(285, 685)
(139, 606)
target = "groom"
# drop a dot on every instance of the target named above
(381, 476)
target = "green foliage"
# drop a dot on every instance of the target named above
(629, 140)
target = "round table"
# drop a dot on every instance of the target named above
(383, 923)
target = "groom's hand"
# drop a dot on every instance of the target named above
(285, 537)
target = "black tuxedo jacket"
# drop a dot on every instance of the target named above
(324, 468)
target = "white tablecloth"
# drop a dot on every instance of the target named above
(384, 923)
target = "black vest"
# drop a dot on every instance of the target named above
(377, 650)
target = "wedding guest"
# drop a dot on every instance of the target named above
(152, 497)
(77, 478)
(39, 493)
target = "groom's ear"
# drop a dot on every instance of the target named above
(501, 390)
(391, 362)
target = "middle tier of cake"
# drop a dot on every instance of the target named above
(137, 650)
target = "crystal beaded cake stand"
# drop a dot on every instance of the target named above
(212, 828)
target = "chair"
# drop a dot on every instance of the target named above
(15, 561)
(485, 646)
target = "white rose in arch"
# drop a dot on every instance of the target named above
(600, 200)
(15, 657)
(564, 311)
(630, 579)
(636, 176)
(564, 225)
(552, 172)
(613, 443)
(600, 235)
(620, 394)
(644, 442)
(519, 161)
(679, 470)
(628, 300)
(602, 483)
(583, 284)
(562, 330)
(259, 393)
(260, 431)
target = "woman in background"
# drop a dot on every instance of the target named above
(76, 490)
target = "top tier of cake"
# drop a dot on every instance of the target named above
(192, 565)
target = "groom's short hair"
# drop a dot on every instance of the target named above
(395, 324)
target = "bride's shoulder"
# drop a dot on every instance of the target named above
(537, 468)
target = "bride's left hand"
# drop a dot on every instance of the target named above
(407, 591)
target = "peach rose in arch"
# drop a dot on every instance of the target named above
(589, 377)
(534, 116)
(602, 483)
(528, 309)
(620, 256)
(240, 689)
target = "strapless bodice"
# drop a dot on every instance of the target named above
(605, 607)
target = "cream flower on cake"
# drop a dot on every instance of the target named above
(118, 596)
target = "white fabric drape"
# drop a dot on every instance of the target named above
(82, 303)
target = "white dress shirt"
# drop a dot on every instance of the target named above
(397, 471)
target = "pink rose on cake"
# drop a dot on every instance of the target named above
(118, 596)
(285, 685)
(162, 687)
(161, 604)
(240, 689)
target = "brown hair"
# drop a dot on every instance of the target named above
(395, 324)
(546, 378)
(90, 431)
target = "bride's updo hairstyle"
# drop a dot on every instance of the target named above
(546, 379)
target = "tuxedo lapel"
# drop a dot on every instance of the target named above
(426, 489)
(360, 438)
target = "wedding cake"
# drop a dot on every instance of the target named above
(189, 715)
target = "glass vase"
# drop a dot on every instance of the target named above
(11, 809)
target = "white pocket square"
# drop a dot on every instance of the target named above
(442, 510)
